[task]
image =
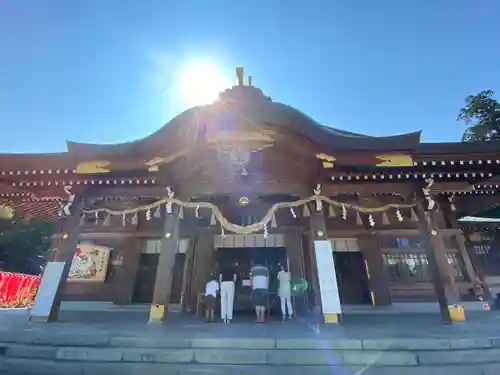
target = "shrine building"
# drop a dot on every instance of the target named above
(249, 180)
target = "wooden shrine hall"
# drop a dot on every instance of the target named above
(249, 179)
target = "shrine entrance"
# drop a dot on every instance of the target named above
(351, 278)
(351, 273)
(242, 260)
(145, 278)
(242, 252)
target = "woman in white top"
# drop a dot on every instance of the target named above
(227, 280)
(285, 293)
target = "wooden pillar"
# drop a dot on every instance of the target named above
(187, 274)
(293, 245)
(469, 245)
(375, 270)
(127, 271)
(471, 263)
(203, 263)
(459, 242)
(328, 288)
(317, 225)
(441, 272)
(469, 258)
(66, 251)
(169, 244)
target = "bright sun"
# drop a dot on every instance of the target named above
(200, 82)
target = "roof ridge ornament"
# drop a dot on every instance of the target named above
(242, 92)
(239, 75)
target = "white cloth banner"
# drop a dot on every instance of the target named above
(329, 290)
(46, 292)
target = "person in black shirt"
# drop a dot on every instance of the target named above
(227, 279)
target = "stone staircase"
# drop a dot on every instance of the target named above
(28, 353)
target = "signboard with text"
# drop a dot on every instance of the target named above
(330, 299)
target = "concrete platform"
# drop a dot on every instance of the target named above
(116, 343)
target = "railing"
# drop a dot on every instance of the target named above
(17, 289)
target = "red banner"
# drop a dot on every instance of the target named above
(17, 289)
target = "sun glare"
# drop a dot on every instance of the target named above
(200, 82)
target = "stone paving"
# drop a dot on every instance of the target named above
(121, 343)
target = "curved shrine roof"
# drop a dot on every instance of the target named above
(248, 104)
(239, 104)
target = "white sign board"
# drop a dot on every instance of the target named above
(46, 292)
(329, 290)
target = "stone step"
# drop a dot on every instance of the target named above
(234, 356)
(172, 342)
(39, 352)
(43, 367)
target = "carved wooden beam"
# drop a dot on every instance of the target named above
(372, 202)
(450, 187)
(126, 192)
(367, 189)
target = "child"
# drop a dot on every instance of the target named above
(211, 298)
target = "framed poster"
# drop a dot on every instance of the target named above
(89, 264)
(327, 278)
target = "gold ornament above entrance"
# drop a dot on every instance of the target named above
(243, 201)
(251, 141)
(236, 147)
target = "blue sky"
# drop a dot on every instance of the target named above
(98, 70)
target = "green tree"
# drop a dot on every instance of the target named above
(24, 243)
(481, 114)
(5, 212)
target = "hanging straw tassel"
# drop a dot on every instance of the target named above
(331, 211)
(82, 219)
(107, 221)
(306, 212)
(181, 212)
(359, 221)
(273, 221)
(212, 219)
(385, 219)
(157, 214)
(135, 219)
(413, 215)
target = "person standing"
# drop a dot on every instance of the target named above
(211, 298)
(285, 293)
(259, 280)
(227, 279)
